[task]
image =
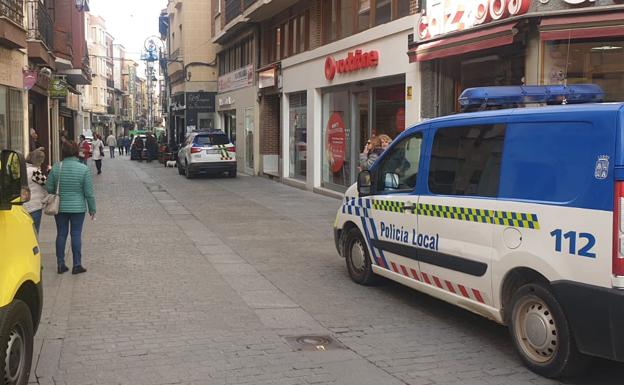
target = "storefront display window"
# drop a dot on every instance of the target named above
(337, 162)
(389, 107)
(298, 134)
(11, 119)
(590, 61)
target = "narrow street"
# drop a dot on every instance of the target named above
(203, 282)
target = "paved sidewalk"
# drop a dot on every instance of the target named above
(203, 282)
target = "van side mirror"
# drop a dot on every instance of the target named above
(13, 180)
(364, 183)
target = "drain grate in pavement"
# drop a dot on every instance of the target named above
(314, 343)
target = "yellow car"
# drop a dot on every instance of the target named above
(20, 273)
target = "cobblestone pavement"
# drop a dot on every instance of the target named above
(201, 281)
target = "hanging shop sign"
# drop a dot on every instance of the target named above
(243, 77)
(445, 16)
(58, 89)
(267, 78)
(336, 141)
(30, 78)
(354, 61)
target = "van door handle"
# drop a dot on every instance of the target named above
(409, 207)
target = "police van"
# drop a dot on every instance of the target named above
(516, 214)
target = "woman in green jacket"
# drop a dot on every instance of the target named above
(76, 195)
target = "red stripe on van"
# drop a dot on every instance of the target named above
(450, 287)
(405, 273)
(394, 267)
(415, 274)
(477, 295)
(463, 291)
(437, 282)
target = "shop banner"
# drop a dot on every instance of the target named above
(241, 78)
(336, 141)
(58, 89)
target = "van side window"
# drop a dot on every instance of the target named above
(557, 162)
(399, 168)
(466, 160)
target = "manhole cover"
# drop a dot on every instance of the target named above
(313, 343)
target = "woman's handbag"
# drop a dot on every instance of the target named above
(53, 201)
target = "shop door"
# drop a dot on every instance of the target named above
(229, 124)
(249, 140)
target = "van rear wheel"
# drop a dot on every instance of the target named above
(542, 335)
(358, 259)
(16, 344)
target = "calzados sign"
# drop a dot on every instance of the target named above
(444, 16)
(353, 62)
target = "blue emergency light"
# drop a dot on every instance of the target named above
(512, 96)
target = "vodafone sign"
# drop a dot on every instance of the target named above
(444, 16)
(354, 61)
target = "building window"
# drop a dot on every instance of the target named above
(467, 160)
(363, 15)
(330, 20)
(237, 56)
(298, 118)
(341, 18)
(11, 119)
(590, 61)
(383, 11)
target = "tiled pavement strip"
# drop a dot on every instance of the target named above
(199, 281)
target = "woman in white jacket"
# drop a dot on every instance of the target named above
(98, 152)
(36, 183)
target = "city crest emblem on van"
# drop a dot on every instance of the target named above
(602, 167)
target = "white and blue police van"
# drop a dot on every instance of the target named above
(516, 214)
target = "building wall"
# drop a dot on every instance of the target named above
(11, 63)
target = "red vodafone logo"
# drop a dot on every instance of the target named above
(354, 61)
(330, 68)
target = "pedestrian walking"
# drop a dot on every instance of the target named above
(84, 150)
(75, 189)
(98, 152)
(37, 186)
(127, 142)
(120, 145)
(111, 142)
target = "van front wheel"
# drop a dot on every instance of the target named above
(542, 335)
(357, 258)
(16, 344)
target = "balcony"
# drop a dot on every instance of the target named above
(40, 33)
(12, 35)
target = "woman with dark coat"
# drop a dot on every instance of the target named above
(137, 149)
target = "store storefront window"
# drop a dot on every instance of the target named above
(298, 134)
(337, 163)
(389, 110)
(11, 119)
(590, 61)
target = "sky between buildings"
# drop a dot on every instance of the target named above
(130, 22)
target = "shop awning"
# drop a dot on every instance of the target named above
(583, 26)
(464, 43)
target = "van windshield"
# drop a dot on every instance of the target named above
(211, 139)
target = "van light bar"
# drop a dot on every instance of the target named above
(514, 96)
